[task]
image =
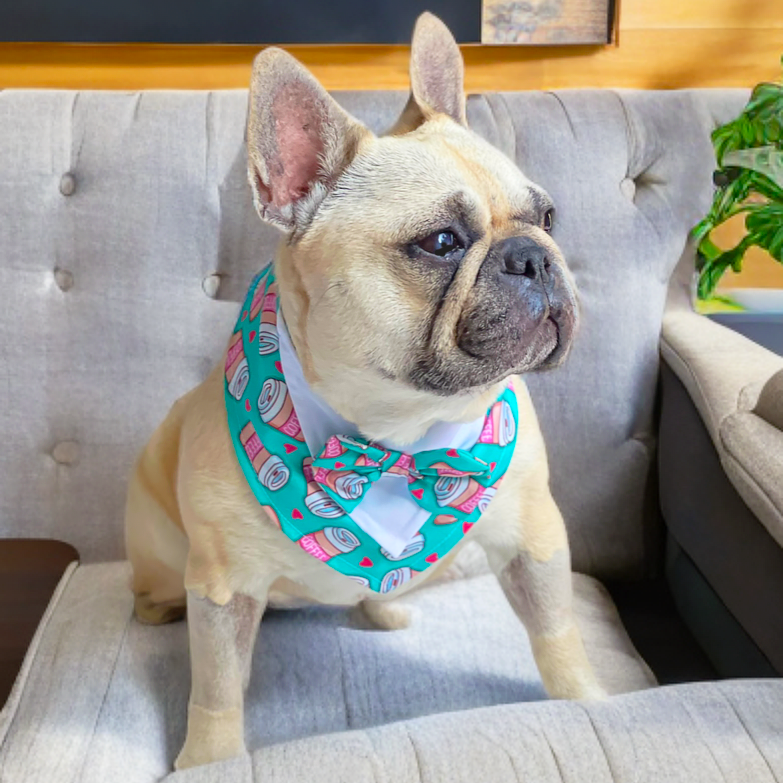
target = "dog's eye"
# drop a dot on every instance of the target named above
(549, 220)
(440, 243)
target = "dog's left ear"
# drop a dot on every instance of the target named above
(437, 76)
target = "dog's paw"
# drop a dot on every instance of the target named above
(212, 736)
(386, 616)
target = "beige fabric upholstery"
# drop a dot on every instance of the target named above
(753, 458)
(705, 733)
(715, 364)
(103, 698)
(770, 401)
(725, 374)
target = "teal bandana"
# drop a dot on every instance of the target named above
(311, 498)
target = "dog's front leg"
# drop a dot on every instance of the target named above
(534, 570)
(221, 649)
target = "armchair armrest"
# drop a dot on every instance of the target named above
(732, 383)
(721, 490)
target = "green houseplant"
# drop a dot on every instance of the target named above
(749, 179)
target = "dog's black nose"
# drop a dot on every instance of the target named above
(524, 256)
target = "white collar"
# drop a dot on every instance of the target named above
(387, 511)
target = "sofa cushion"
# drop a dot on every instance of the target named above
(702, 733)
(102, 692)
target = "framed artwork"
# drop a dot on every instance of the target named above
(546, 21)
(303, 22)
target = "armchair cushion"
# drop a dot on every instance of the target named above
(770, 401)
(700, 733)
(104, 698)
(726, 376)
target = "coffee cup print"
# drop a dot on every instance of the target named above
(413, 547)
(402, 466)
(444, 469)
(265, 302)
(363, 461)
(237, 372)
(272, 472)
(347, 484)
(460, 492)
(268, 341)
(489, 493)
(333, 448)
(396, 578)
(499, 426)
(317, 500)
(329, 542)
(276, 408)
(258, 298)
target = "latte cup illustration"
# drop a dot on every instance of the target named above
(258, 298)
(444, 469)
(266, 302)
(317, 500)
(460, 492)
(413, 547)
(396, 578)
(348, 484)
(402, 466)
(268, 341)
(276, 408)
(489, 493)
(363, 461)
(237, 372)
(329, 542)
(333, 448)
(272, 472)
(499, 427)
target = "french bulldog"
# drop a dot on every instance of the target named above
(417, 277)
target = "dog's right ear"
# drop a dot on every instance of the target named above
(299, 140)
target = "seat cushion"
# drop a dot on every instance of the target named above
(103, 693)
(701, 733)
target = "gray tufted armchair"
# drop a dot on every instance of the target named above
(128, 237)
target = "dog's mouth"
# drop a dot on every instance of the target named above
(485, 358)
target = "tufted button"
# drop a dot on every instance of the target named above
(628, 188)
(67, 184)
(66, 452)
(63, 278)
(211, 285)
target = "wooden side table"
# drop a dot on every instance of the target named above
(29, 572)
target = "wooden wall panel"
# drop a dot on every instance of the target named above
(653, 59)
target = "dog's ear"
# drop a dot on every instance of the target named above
(299, 140)
(437, 76)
